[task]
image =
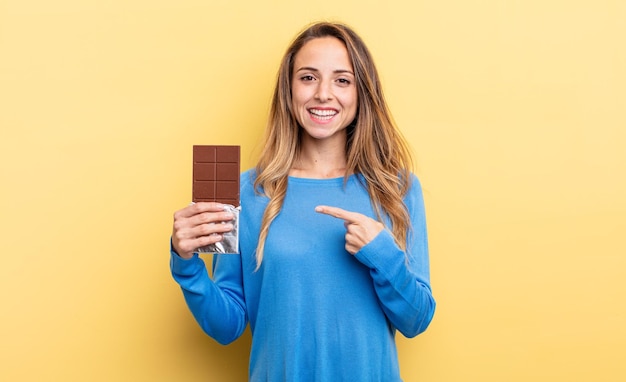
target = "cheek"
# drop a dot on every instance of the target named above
(298, 95)
(297, 104)
(351, 102)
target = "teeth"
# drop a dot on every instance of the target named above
(323, 113)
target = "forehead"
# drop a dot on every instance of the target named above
(323, 52)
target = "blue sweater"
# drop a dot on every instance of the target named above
(316, 312)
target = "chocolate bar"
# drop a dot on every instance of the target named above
(216, 179)
(216, 174)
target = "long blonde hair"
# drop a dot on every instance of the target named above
(375, 148)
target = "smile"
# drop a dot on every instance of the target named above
(322, 114)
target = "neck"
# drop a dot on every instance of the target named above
(320, 161)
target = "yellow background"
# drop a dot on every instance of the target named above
(515, 110)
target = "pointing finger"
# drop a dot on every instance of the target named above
(349, 217)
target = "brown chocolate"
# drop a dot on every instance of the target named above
(216, 174)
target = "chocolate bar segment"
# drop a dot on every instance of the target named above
(216, 174)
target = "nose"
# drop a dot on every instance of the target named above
(324, 92)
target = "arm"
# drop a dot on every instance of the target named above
(217, 305)
(402, 280)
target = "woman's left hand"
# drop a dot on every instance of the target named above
(360, 229)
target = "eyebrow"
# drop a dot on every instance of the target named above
(312, 69)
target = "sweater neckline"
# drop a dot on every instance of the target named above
(337, 180)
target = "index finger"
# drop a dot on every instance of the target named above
(200, 207)
(348, 216)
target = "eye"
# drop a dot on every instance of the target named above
(344, 81)
(307, 78)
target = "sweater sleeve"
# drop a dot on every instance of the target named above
(402, 279)
(218, 305)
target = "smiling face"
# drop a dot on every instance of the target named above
(323, 90)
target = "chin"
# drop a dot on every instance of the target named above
(321, 135)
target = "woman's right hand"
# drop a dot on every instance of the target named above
(198, 225)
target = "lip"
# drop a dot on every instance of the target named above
(322, 115)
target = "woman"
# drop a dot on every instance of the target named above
(334, 255)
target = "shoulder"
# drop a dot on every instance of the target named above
(415, 183)
(247, 186)
(246, 180)
(414, 196)
(252, 202)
